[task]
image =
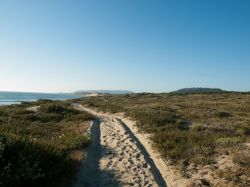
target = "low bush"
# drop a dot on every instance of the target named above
(23, 163)
(230, 141)
(35, 147)
(184, 145)
(224, 114)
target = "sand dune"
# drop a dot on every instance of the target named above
(121, 159)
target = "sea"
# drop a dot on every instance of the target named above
(9, 98)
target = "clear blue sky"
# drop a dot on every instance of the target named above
(138, 45)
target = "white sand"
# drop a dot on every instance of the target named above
(121, 157)
(33, 108)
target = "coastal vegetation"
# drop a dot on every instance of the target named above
(191, 129)
(40, 143)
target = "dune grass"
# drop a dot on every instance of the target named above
(187, 128)
(36, 146)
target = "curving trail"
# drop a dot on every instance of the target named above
(116, 157)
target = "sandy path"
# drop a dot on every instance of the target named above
(116, 157)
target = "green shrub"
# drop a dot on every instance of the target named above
(62, 109)
(224, 114)
(183, 145)
(27, 164)
(35, 147)
(229, 141)
(246, 129)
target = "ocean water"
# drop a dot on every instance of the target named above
(8, 98)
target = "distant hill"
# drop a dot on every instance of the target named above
(87, 92)
(198, 90)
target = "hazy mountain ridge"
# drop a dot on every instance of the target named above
(198, 90)
(85, 92)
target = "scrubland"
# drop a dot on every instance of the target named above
(200, 134)
(40, 143)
